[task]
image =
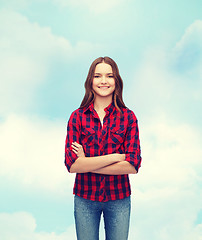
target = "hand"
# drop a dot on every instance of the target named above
(78, 149)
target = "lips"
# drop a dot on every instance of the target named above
(104, 87)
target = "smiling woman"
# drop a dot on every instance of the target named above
(102, 147)
(103, 71)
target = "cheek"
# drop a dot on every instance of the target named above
(94, 83)
(113, 83)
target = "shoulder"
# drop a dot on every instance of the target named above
(78, 111)
(75, 115)
(129, 114)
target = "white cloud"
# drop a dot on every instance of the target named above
(28, 53)
(97, 7)
(32, 153)
(22, 226)
(192, 35)
(15, 4)
(168, 186)
(167, 189)
(169, 81)
(153, 84)
(22, 38)
(187, 54)
(166, 77)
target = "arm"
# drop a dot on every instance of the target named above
(90, 164)
(73, 134)
(132, 143)
(119, 168)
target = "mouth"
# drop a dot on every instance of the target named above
(104, 87)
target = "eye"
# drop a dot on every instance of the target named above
(111, 76)
(96, 76)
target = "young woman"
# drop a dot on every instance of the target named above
(102, 148)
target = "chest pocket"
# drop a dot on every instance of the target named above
(88, 136)
(117, 134)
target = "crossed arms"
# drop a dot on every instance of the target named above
(112, 164)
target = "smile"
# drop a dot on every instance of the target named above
(104, 87)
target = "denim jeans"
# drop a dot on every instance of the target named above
(116, 215)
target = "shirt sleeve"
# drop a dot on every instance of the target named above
(73, 135)
(132, 143)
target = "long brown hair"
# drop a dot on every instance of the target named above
(89, 94)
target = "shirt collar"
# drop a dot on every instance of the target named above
(90, 107)
(109, 109)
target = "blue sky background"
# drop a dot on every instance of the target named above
(46, 48)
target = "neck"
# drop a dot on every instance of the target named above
(101, 103)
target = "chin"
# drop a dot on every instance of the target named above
(104, 95)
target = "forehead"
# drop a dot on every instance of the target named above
(103, 68)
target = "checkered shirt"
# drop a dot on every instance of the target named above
(119, 134)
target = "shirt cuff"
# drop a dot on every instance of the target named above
(134, 159)
(70, 158)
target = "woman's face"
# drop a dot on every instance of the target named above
(103, 81)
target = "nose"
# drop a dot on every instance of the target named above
(103, 80)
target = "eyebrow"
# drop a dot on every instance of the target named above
(106, 74)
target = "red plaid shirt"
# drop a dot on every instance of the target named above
(119, 134)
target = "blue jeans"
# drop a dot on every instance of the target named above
(116, 215)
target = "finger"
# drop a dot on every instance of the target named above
(74, 147)
(77, 144)
(75, 151)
